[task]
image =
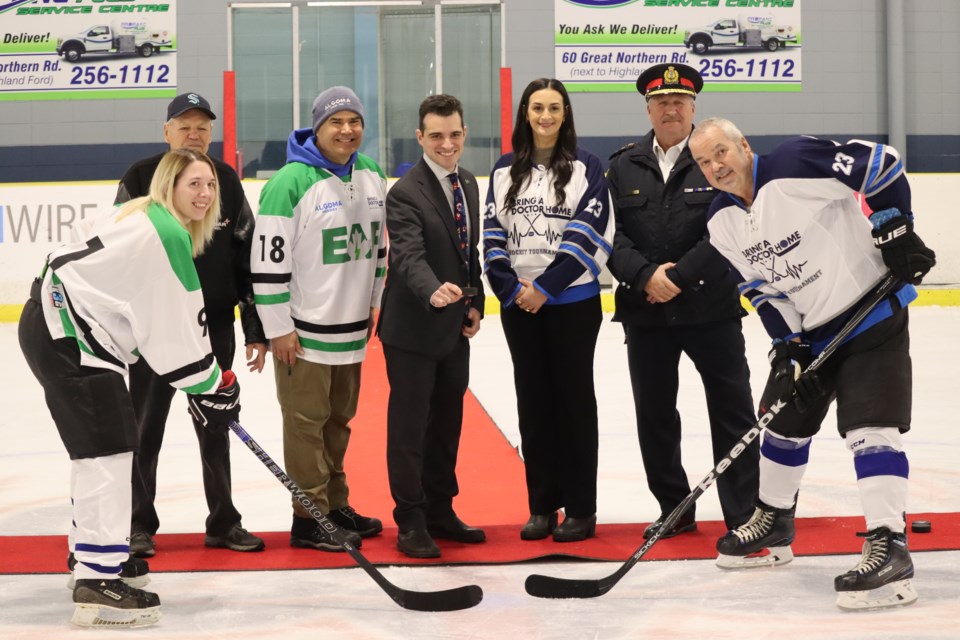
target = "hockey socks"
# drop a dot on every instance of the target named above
(882, 472)
(783, 462)
(134, 571)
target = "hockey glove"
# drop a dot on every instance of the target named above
(217, 409)
(788, 360)
(903, 251)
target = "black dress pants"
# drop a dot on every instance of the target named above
(552, 352)
(717, 352)
(424, 420)
(151, 401)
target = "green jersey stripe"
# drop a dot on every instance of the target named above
(177, 243)
(273, 298)
(206, 385)
(317, 345)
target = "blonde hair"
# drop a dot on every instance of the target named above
(164, 180)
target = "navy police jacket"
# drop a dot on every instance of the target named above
(659, 222)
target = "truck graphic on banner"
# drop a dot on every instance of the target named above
(122, 37)
(745, 31)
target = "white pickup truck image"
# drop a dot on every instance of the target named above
(746, 31)
(127, 36)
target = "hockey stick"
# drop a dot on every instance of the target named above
(550, 587)
(448, 600)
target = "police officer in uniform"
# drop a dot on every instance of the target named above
(676, 296)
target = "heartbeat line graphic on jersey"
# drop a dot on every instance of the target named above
(788, 270)
(516, 236)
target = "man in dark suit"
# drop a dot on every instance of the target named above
(432, 305)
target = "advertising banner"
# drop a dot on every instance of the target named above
(87, 49)
(736, 45)
(36, 218)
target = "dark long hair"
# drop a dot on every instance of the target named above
(564, 152)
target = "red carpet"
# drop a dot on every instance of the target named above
(489, 470)
(185, 552)
(492, 495)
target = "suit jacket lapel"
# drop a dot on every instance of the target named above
(433, 192)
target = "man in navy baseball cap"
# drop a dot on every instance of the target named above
(187, 101)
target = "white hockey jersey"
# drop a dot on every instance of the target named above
(803, 249)
(561, 246)
(318, 257)
(127, 289)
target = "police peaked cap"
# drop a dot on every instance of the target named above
(669, 78)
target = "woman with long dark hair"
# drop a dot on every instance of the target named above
(547, 235)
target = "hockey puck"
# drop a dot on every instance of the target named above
(921, 526)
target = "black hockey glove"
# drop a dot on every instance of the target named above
(787, 361)
(217, 409)
(903, 251)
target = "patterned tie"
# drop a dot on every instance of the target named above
(460, 216)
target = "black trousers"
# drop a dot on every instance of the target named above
(90, 406)
(424, 420)
(717, 351)
(552, 352)
(151, 402)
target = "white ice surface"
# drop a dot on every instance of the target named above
(688, 599)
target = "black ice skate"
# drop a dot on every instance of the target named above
(882, 578)
(113, 603)
(135, 572)
(769, 529)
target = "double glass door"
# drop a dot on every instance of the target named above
(392, 54)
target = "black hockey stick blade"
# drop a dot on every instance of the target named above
(541, 586)
(446, 600)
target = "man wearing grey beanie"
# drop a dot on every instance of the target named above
(321, 225)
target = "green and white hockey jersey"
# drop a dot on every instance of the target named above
(318, 257)
(128, 288)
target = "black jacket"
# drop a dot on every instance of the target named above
(224, 266)
(661, 222)
(424, 253)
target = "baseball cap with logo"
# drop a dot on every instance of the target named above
(186, 101)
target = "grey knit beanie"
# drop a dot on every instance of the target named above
(333, 100)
